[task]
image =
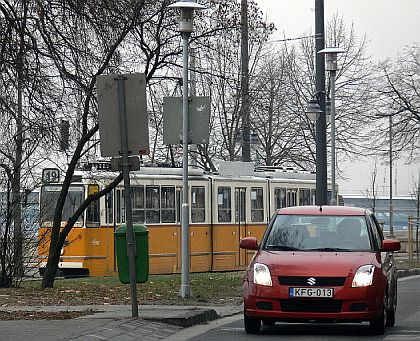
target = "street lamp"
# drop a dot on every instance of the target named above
(186, 28)
(331, 66)
(313, 110)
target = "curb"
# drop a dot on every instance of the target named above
(408, 272)
(188, 319)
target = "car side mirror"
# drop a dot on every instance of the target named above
(390, 245)
(249, 243)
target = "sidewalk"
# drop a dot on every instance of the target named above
(111, 322)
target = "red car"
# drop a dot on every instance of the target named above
(326, 264)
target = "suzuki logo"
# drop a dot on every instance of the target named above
(311, 281)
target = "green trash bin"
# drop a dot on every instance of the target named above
(141, 237)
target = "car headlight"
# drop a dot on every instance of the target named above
(262, 275)
(363, 276)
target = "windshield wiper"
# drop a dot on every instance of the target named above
(281, 248)
(328, 249)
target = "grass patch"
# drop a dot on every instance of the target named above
(207, 289)
(213, 288)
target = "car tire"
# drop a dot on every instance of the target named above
(252, 325)
(377, 326)
(268, 322)
(390, 314)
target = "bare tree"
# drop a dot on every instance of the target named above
(219, 63)
(272, 122)
(353, 91)
(27, 109)
(372, 192)
(102, 26)
(398, 89)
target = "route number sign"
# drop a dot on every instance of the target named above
(50, 175)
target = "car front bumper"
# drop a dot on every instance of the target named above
(348, 304)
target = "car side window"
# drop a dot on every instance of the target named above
(376, 232)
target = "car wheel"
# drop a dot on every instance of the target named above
(390, 314)
(377, 326)
(252, 325)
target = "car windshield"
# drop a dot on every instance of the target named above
(316, 233)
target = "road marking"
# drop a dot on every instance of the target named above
(233, 329)
(191, 332)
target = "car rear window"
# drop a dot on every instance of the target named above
(318, 233)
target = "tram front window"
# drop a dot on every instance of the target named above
(49, 197)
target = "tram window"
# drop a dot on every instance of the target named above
(152, 204)
(257, 205)
(137, 193)
(168, 204)
(109, 203)
(198, 212)
(224, 204)
(313, 196)
(291, 197)
(120, 206)
(279, 198)
(178, 203)
(49, 197)
(92, 211)
(92, 214)
(304, 196)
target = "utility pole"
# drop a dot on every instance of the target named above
(246, 143)
(321, 124)
(131, 246)
(193, 93)
(418, 200)
(391, 207)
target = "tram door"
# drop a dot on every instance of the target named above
(240, 222)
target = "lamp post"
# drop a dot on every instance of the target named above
(331, 66)
(313, 112)
(321, 126)
(186, 28)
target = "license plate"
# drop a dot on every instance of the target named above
(311, 292)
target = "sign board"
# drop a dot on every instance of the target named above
(116, 163)
(109, 117)
(198, 123)
(50, 175)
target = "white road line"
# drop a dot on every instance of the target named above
(191, 332)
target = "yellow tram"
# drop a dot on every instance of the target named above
(224, 208)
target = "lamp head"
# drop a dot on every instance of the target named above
(313, 110)
(187, 14)
(331, 57)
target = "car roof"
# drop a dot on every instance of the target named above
(324, 210)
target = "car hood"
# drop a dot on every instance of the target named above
(337, 264)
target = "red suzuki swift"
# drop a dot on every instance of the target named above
(326, 264)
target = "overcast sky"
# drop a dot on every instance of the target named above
(389, 26)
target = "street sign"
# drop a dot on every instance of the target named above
(199, 120)
(109, 119)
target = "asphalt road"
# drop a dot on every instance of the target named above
(407, 326)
